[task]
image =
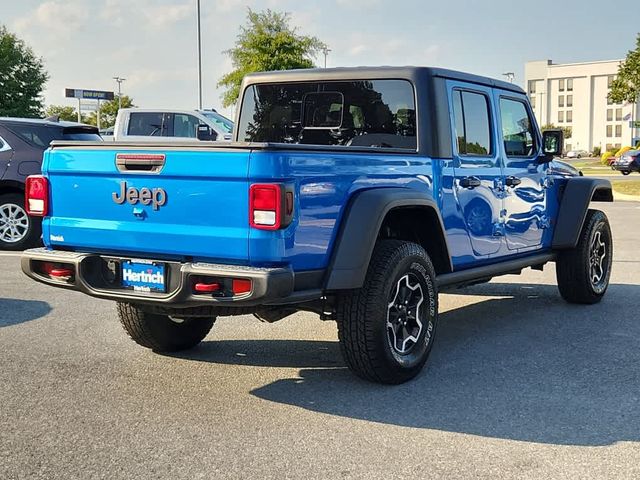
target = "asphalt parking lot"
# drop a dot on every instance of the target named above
(520, 385)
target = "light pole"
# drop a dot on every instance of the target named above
(325, 51)
(119, 80)
(510, 76)
(199, 59)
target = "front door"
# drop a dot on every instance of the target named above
(525, 217)
(477, 169)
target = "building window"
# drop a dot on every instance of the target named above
(618, 114)
(560, 116)
(569, 100)
(609, 114)
(561, 101)
(533, 102)
(567, 147)
(609, 147)
(532, 86)
(610, 80)
(561, 85)
(569, 116)
(617, 146)
(618, 131)
(609, 101)
(609, 131)
(570, 85)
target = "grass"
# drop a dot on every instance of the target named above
(630, 187)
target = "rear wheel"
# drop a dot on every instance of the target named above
(583, 272)
(626, 172)
(162, 333)
(17, 230)
(387, 327)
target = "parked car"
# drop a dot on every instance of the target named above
(107, 133)
(577, 154)
(563, 169)
(628, 162)
(338, 196)
(149, 125)
(22, 142)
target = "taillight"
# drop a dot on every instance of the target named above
(270, 206)
(36, 194)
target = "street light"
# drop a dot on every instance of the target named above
(325, 51)
(510, 76)
(119, 80)
(199, 59)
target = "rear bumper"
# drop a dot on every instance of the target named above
(269, 285)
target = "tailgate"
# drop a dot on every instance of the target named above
(187, 203)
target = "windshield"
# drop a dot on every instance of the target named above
(223, 123)
(369, 113)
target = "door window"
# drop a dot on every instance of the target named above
(148, 124)
(472, 124)
(185, 125)
(517, 129)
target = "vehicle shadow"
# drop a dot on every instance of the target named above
(519, 364)
(14, 311)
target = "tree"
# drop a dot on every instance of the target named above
(626, 87)
(64, 112)
(566, 131)
(109, 112)
(267, 42)
(22, 78)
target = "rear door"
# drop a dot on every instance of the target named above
(477, 167)
(525, 189)
(150, 202)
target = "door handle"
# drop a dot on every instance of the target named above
(470, 182)
(512, 181)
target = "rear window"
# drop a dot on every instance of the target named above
(377, 113)
(42, 135)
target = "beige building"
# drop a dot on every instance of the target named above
(575, 95)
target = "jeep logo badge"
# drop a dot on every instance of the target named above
(156, 196)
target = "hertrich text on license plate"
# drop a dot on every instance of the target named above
(143, 276)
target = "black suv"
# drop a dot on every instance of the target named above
(22, 142)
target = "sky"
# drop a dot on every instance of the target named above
(153, 43)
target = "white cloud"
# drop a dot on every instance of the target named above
(163, 16)
(61, 19)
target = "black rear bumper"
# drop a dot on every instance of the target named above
(269, 285)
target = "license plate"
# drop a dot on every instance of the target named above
(143, 276)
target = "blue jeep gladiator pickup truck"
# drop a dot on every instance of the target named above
(355, 193)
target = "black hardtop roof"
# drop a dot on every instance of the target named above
(371, 73)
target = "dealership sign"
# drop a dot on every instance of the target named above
(88, 94)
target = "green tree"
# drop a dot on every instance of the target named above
(109, 112)
(566, 131)
(64, 112)
(267, 42)
(626, 87)
(22, 78)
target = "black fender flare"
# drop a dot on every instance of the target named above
(359, 229)
(578, 193)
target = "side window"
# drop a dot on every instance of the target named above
(472, 123)
(517, 129)
(148, 124)
(185, 125)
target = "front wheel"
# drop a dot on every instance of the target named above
(387, 328)
(162, 333)
(583, 272)
(626, 172)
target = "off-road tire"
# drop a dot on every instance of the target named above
(363, 314)
(573, 267)
(31, 237)
(159, 332)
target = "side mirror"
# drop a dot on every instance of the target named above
(552, 142)
(205, 133)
